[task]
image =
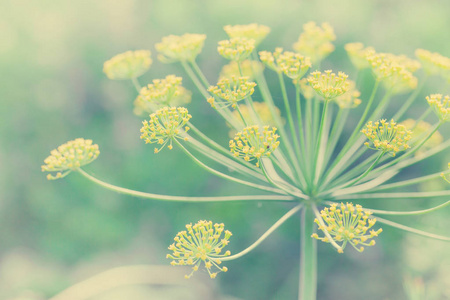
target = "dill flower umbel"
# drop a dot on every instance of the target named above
(350, 99)
(440, 105)
(315, 41)
(388, 137)
(182, 48)
(201, 242)
(328, 85)
(433, 62)
(357, 54)
(293, 65)
(162, 92)
(70, 156)
(347, 223)
(128, 65)
(252, 143)
(164, 126)
(251, 31)
(231, 91)
(249, 68)
(237, 49)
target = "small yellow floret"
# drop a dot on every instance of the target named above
(251, 31)
(237, 49)
(230, 91)
(328, 84)
(315, 41)
(182, 48)
(440, 105)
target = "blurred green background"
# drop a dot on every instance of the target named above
(56, 233)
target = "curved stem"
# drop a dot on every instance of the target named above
(200, 73)
(409, 182)
(408, 213)
(181, 198)
(409, 101)
(136, 84)
(277, 224)
(413, 230)
(396, 195)
(225, 176)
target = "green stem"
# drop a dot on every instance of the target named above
(136, 84)
(181, 198)
(396, 195)
(225, 176)
(413, 230)
(409, 182)
(200, 73)
(319, 139)
(308, 257)
(300, 119)
(408, 213)
(277, 224)
(409, 101)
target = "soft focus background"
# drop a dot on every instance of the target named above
(54, 234)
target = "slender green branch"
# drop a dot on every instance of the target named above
(396, 195)
(136, 84)
(319, 140)
(409, 182)
(200, 73)
(274, 227)
(300, 119)
(409, 101)
(225, 176)
(413, 230)
(325, 231)
(308, 257)
(181, 198)
(407, 213)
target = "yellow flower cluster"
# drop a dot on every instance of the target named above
(328, 85)
(165, 125)
(128, 65)
(434, 63)
(237, 49)
(70, 156)
(251, 31)
(252, 143)
(348, 223)
(440, 105)
(160, 93)
(315, 41)
(293, 65)
(350, 99)
(175, 48)
(249, 68)
(388, 137)
(445, 177)
(420, 131)
(231, 91)
(357, 54)
(201, 242)
(394, 71)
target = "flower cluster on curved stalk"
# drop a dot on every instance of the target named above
(296, 151)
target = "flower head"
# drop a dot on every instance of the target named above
(70, 156)
(237, 48)
(357, 54)
(433, 62)
(388, 137)
(419, 131)
(293, 65)
(128, 65)
(315, 41)
(440, 105)
(160, 93)
(251, 31)
(250, 68)
(348, 223)
(165, 125)
(231, 91)
(175, 48)
(201, 242)
(350, 99)
(254, 143)
(328, 85)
